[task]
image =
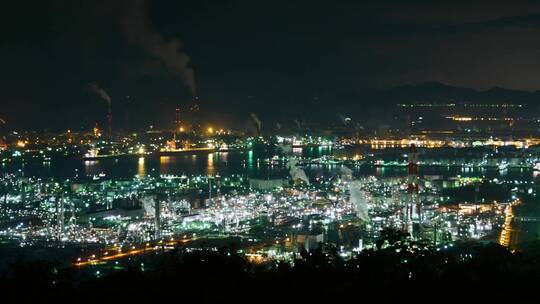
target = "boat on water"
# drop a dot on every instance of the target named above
(223, 148)
(327, 160)
(99, 176)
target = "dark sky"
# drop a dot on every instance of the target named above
(247, 54)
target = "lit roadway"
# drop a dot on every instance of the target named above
(506, 232)
(161, 246)
(107, 256)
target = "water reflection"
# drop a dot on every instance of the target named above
(165, 164)
(91, 167)
(250, 158)
(223, 156)
(210, 169)
(244, 163)
(141, 168)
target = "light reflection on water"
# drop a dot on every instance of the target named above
(91, 167)
(141, 168)
(247, 163)
(210, 169)
(165, 163)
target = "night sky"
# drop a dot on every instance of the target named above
(243, 56)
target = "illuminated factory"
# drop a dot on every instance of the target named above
(132, 212)
(413, 210)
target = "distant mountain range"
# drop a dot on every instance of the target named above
(437, 92)
(376, 106)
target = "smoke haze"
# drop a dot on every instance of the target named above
(137, 31)
(96, 89)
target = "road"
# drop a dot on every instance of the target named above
(118, 253)
(506, 233)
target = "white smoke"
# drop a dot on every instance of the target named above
(3, 136)
(292, 162)
(285, 148)
(299, 174)
(167, 52)
(343, 119)
(295, 172)
(149, 206)
(346, 172)
(94, 88)
(359, 200)
(257, 121)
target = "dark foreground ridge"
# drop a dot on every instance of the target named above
(398, 270)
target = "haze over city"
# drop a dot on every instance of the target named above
(243, 55)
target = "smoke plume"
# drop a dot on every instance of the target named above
(257, 121)
(2, 130)
(295, 172)
(285, 148)
(359, 200)
(137, 31)
(94, 88)
(346, 172)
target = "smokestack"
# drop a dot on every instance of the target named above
(109, 122)
(96, 89)
(177, 127)
(195, 107)
(194, 112)
(177, 120)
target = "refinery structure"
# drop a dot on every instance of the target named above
(271, 217)
(274, 193)
(174, 149)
